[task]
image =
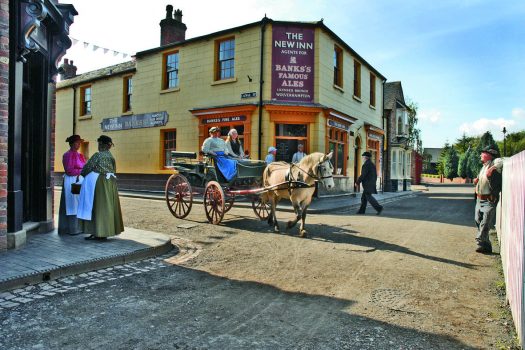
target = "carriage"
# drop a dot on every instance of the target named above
(193, 177)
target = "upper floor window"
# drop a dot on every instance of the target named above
(401, 121)
(357, 79)
(171, 70)
(85, 100)
(128, 92)
(225, 59)
(372, 90)
(338, 66)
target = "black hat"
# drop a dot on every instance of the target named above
(490, 149)
(105, 140)
(74, 138)
(367, 154)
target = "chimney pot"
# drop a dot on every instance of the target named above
(172, 30)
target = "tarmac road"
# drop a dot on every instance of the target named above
(408, 279)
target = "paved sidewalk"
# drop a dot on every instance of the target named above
(49, 256)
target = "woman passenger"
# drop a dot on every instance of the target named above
(233, 145)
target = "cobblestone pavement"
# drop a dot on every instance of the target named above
(13, 298)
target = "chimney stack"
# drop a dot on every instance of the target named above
(172, 30)
(68, 70)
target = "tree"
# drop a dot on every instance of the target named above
(514, 143)
(414, 133)
(441, 161)
(450, 163)
(465, 142)
(487, 140)
(463, 165)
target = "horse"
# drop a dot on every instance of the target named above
(315, 166)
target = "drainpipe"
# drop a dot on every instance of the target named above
(386, 137)
(261, 82)
(74, 110)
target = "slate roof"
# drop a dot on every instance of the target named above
(393, 91)
(116, 69)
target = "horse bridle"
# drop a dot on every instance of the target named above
(317, 170)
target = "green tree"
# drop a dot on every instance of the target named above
(414, 133)
(463, 164)
(487, 140)
(514, 143)
(441, 161)
(450, 163)
(474, 161)
(465, 142)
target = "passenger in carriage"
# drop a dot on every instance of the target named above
(216, 146)
(233, 145)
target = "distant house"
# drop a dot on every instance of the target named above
(398, 157)
(431, 166)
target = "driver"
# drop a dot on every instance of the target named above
(214, 144)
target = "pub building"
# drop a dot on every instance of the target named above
(278, 83)
(33, 40)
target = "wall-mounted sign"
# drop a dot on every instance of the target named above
(335, 124)
(293, 63)
(249, 94)
(374, 136)
(238, 118)
(136, 121)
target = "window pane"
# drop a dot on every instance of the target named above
(297, 130)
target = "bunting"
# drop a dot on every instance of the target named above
(97, 47)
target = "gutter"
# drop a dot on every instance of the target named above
(74, 110)
(261, 83)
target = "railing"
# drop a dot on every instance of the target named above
(511, 231)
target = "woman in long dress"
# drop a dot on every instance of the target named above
(99, 205)
(73, 162)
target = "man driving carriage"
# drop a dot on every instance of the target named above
(216, 146)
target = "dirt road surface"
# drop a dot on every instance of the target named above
(408, 279)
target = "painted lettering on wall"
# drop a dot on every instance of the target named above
(136, 121)
(293, 64)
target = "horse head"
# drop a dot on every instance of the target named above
(325, 170)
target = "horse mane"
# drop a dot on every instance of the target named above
(311, 159)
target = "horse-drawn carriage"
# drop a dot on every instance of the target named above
(254, 180)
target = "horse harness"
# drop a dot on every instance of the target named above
(318, 169)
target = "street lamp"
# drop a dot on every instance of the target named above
(504, 143)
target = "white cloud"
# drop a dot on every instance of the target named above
(480, 126)
(518, 113)
(432, 116)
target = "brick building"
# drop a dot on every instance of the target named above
(33, 38)
(278, 83)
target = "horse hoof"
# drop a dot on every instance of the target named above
(303, 234)
(276, 229)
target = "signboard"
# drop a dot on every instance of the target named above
(239, 118)
(249, 94)
(335, 124)
(136, 121)
(292, 64)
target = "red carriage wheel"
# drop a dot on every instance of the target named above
(179, 196)
(214, 202)
(262, 210)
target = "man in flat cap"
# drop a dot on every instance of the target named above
(214, 143)
(368, 178)
(488, 187)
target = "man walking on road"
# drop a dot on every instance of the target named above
(368, 178)
(488, 187)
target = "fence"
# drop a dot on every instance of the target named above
(510, 226)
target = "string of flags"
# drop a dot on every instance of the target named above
(96, 47)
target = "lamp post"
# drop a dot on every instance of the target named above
(504, 142)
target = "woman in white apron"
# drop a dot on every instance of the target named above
(73, 163)
(99, 205)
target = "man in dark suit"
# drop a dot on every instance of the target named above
(368, 178)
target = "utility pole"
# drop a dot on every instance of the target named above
(504, 142)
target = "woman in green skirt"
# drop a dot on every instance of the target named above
(99, 206)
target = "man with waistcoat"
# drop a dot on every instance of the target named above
(368, 178)
(488, 187)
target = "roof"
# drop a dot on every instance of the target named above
(116, 69)
(393, 92)
(262, 22)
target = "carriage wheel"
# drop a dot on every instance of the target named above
(230, 199)
(214, 202)
(262, 210)
(179, 196)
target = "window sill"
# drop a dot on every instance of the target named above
(167, 91)
(224, 81)
(337, 87)
(358, 99)
(127, 113)
(84, 117)
(372, 107)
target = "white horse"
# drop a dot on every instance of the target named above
(315, 166)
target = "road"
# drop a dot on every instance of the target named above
(408, 279)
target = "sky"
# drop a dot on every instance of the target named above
(461, 61)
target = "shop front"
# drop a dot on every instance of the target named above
(337, 134)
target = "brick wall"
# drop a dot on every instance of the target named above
(4, 114)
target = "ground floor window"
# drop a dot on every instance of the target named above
(337, 143)
(169, 143)
(287, 137)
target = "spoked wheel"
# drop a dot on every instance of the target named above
(262, 210)
(214, 202)
(230, 199)
(179, 196)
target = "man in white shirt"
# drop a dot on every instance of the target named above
(299, 154)
(214, 143)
